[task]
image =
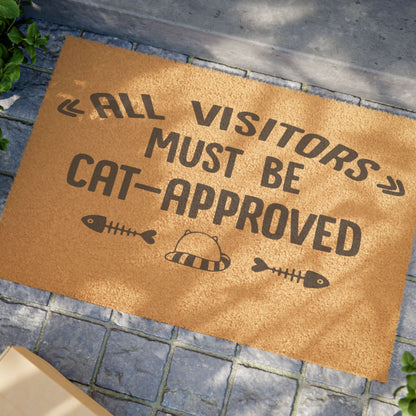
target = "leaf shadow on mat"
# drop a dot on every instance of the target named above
(352, 308)
(309, 341)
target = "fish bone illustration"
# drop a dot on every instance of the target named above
(311, 280)
(99, 223)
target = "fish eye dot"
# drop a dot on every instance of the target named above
(90, 221)
(320, 281)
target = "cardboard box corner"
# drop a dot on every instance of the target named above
(31, 386)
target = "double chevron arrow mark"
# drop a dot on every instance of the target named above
(67, 107)
(394, 188)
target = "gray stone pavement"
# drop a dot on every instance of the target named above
(134, 366)
(366, 46)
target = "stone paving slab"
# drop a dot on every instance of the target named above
(135, 366)
(24, 293)
(347, 382)
(315, 401)
(407, 324)
(392, 110)
(19, 324)
(132, 365)
(5, 186)
(268, 79)
(265, 358)
(218, 67)
(334, 95)
(196, 383)
(377, 408)
(122, 407)
(25, 97)
(163, 53)
(144, 325)
(82, 308)
(108, 40)
(206, 342)
(72, 346)
(256, 392)
(412, 265)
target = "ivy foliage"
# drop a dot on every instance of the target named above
(408, 403)
(19, 38)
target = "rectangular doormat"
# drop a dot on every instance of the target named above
(249, 212)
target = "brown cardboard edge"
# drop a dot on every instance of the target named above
(58, 378)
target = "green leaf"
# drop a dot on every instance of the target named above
(411, 382)
(3, 51)
(32, 31)
(407, 358)
(404, 405)
(5, 84)
(32, 53)
(13, 72)
(30, 41)
(3, 144)
(408, 407)
(39, 42)
(3, 141)
(408, 362)
(412, 408)
(17, 57)
(9, 9)
(15, 35)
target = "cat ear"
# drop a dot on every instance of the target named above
(215, 238)
(187, 232)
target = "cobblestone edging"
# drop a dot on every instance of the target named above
(134, 366)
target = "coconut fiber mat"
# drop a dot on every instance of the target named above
(254, 213)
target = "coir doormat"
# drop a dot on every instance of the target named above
(249, 212)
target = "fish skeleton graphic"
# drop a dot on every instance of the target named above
(99, 223)
(311, 280)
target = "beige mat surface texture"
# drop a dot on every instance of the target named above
(254, 213)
